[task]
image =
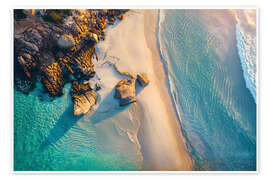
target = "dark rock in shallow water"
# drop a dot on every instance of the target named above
(142, 79)
(125, 91)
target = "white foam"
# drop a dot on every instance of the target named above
(246, 45)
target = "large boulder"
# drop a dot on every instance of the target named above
(83, 97)
(83, 103)
(125, 91)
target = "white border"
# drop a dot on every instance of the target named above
(142, 172)
(264, 74)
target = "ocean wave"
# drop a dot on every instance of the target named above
(246, 45)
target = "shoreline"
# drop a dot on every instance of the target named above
(180, 158)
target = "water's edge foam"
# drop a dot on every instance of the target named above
(246, 47)
(173, 93)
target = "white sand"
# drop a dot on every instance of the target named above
(159, 136)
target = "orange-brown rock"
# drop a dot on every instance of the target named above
(125, 91)
(80, 88)
(83, 103)
(142, 79)
(53, 79)
(83, 97)
(120, 16)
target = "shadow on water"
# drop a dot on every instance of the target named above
(107, 109)
(65, 122)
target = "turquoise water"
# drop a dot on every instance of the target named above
(216, 110)
(47, 137)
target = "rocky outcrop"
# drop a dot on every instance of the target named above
(125, 91)
(61, 44)
(112, 14)
(83, 97)
(30, 45)
(142, 79)
(60, 47)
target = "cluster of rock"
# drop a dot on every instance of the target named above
(125, 89)
(60, 49)
(53, 51)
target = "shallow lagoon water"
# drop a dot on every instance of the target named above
(47, 137)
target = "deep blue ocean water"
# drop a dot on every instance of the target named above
(216, 110)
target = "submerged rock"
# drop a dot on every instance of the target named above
(84, 102)
(142, 79)
(125, 91)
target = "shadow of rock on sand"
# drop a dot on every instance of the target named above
(138, 88)
(108, 108)
(65, 122)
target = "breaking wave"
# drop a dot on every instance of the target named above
(246, 45)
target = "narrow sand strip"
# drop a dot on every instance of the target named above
(132, 44)
(167, 151)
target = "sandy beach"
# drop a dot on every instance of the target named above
(132, 44)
